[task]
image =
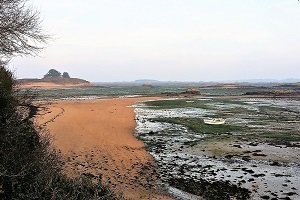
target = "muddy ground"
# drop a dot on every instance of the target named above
(253, 156)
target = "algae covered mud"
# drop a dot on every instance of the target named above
(254, 155)
(115, 90)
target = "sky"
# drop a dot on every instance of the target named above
(182, 40)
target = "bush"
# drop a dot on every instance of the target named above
(29, 167)
(66, 75)
(52, 73)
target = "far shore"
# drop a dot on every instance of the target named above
(97, 137)
(49, 85)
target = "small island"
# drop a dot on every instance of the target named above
(54, 79)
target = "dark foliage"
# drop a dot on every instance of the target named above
(29, 167)
(52, 73)
(66, 75)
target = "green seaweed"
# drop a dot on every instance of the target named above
(229, 101)
(271, 109)
(277, 136)
(178, 103)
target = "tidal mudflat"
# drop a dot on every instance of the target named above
(254, 155)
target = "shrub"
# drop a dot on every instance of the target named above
(29, 167)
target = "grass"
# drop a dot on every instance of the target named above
(178, 103)
(197, 125)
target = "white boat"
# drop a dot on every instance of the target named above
(214, 121)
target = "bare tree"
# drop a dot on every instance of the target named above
(20, 30)
(29, 166)
(20, 34)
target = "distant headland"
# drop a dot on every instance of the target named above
(54, 79)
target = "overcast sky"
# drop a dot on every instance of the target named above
(184, 40)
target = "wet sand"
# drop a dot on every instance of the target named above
(97, 137)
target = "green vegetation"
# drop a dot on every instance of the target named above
(52, 73)
(197, 125)
(229, 101)
(29, 167)
(178, 103)
(278, 114)
(66, 75)
(191, 103)
(267, 115)
(271, 109)
(230, 112)
(286, 137)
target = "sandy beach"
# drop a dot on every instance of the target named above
(49, 85)
(97, 137)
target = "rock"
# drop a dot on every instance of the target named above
(275, 163)
(259, 154)
(248, 170)
(290, 193)
(258, 175)
(237, 146)
(246, 158)
(252, 144)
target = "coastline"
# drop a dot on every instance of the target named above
(49, 85)
(97, 137)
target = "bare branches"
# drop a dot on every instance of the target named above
(20, 30)
(29, 166)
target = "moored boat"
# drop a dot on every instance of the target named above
(214, 121)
